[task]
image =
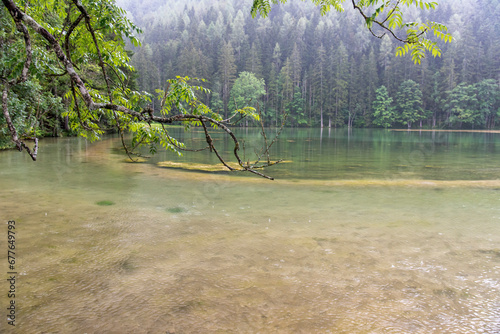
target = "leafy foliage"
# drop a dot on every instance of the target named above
(474, 105)
(383, 110)
(87, 43)
(409, 103)
(34, 110)
(246, 92)
(296, 108)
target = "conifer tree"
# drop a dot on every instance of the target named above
(227, 72)
(320, 82)
(340, 88)
(254, 63)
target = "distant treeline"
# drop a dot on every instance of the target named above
(326, 70)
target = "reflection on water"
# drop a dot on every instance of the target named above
(183, 252)
(369, 154)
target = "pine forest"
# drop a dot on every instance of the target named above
(324, 70)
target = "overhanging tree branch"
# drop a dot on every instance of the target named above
(68, 35)
(382, 24)
(19, 143)
(21, 18)
(29, 53)
(416, 43)
(5, 93)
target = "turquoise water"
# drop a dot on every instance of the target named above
(368, 154)
(364, 232)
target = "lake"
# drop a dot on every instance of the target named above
(363, 231)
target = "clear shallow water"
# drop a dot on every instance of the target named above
(184, 252)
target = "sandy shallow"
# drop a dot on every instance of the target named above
(185, 252)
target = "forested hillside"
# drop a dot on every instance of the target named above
(324, 70)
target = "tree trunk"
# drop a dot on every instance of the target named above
(321, 116)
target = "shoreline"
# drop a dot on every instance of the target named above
(443, 130)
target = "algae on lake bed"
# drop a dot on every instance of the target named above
(176, 210)
(135, 159)
(197, 166)
(105, 203)
(192, 166)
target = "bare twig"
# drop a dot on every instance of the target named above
(263, 131)
(268, 147)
